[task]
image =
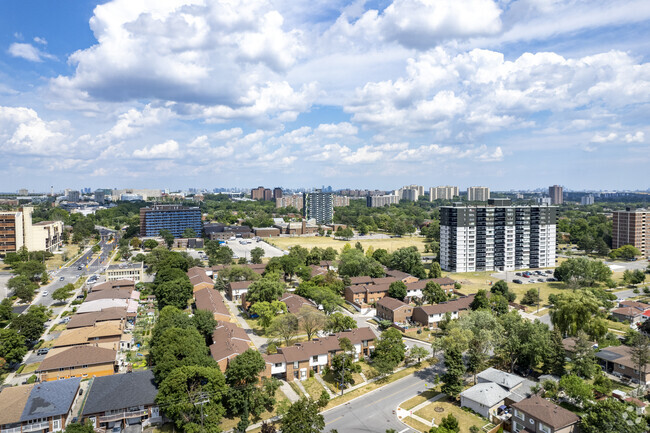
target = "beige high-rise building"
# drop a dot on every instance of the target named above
(411, 192)
(294, 200)
(556, 194)
(478, 193)
(632, 227)
(17, 230)
(443, 193)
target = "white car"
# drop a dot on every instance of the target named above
(45, 293)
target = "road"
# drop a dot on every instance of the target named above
(373, 412)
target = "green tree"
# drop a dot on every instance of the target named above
(633, 277)
(338, 322)
(176, 292)
(433, 293)
(408, 260)
(76, 427)
(12, 346)
(435, 271)
(448, 424)
(573, 311)
(285, 327)
(343, 364)
(626, 252)
(583, 361)
(354, 263)
(640, 355)
(531, 297)
(397, 290)
(256, 255)
(605, 416)
(189, 233)
(168, 237)
(480, 301)
(582, 272)
(6, 310)
(31, 269)
(416, 353)
(501, 288)
(389, 351)
(63, 293)
(576, 389)
(311, 321)
(498, 304)
(303, 417)
(267, 289)
(453, 377)
(149, 244)
(602, 383)
(267, 311)
(45, 278)
(205, 323)
(31, 324)
(176, 347)
(22, 287)
(191, 396)
(555, 358)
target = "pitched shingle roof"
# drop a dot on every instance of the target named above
(487, 394)
(294, 302)
(391, 303)
(89, 319)
(50, 399)
(506, 380)
(77, 336)
(121, 391)
(211, 300)
(117, 293)
(76, 356)
(360, 280)
(12, 403)
(198, 275)
(547, 412)
(113, 285)
(449, 306)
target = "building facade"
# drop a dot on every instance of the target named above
(277, 193)
(319, 206)
(587, 200)
(443, 193)
(381, 200)
(497, 237)
(294, 200)
(130, 271)
(17, 231)
(170, 217)
(478, 193)
(261, 193)
(632, 227)
(556, 194)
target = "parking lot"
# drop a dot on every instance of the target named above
(243, 247)
(539, 276)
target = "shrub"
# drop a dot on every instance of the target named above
(32, 379)
(311, 373)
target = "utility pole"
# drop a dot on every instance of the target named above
(204, 399)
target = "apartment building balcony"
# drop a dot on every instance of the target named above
(11, 430)
(36, 426)
(123, 415)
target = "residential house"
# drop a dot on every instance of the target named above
(109, 334)
(212, 300)
(199, 278)
(115, 284)
(569, 345)
(394, 310)
(90, 319)
(484, 398)
(296, 361)
(401, 276)
(12, 404)
(431, 315)
(77, 361)
(538, 415)
(355, 281)
(114, 293)
(631, 311)
(617, 360)
(294, 302)
(237, 289)
(365, 295)
(518, 387)
(131, 306)
(414, 290)
(122, 400)
(229, 340)
(49, 405)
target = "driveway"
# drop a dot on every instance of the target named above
(258, 341)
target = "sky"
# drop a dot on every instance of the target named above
(509, 94)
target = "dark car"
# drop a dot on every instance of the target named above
(43, 351)
(517, 281)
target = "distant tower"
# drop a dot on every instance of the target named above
(52, 191)
(556, 194)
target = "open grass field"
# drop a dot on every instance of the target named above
(417, 425)
(465, 419)
(419, 399)
(390, 244)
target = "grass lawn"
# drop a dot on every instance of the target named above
(417, 425)
(58, 328)
(465, 419)
(30, 368)
(390, 244)
(419, 399)
(313, 388)
(619, 326)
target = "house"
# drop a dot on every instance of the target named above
(122, 400)
(484, 398)
(394, 310)
(569, 345)
(402, 276)
(236, 289)
(131, 306)
(77, 361)
(538, 415)
(105, 334)
(90, 319)
(628, 314)
(294, 302)
(518, 387)
(431, 315)
(115, 284)
(229, 340)
(199, 278)
(12, 404)
(414, 290)
(212, 300)
(355, 281)
(617, 360)
(113, 293)
(49, 405)
(365, 295)
(296, 361)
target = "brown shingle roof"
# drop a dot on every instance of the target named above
(449, 306)
(294, 302)
(627, 311)
(237, 285)
(76, 356)
(391, 303)
(113, 285)
(375, 288)
(639, 305)
(198, 276)
(89, 319)
(547, 412)
(360, 280)
(228, 349)
(78, 336)
(321, 346)
(229, 331)
(211, 300)
(115, 293)
(384, 280)
(397, 274)
(421, 284)
(12, 403)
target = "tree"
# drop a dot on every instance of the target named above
(189, 233)
(149, 244)
(555, 359)
(602, 383)
(640, 355)
(408, 260)
(267, 311)
(12, 346)
(531, 297)
(266, 289)
(168, 237)
(416, 353)
(191, 397)
(435, 271)
(343, 364)
(433, 293)
(303, 417)
(583, 360)
(63, 293)
(448, 424)
(480, 301)
(354, 263)
(582, 272)
(626, 252)
(498, 304)
(256, 255)
(176, 292)
(338, 322)
(633, 277)
(45, 278)
(389, 351)
(22, 287)
(612, 416)
(31, 324)
(285, 327)
(135, 243)
(576, 389)
(452, 379)
(205, 323)
(572, 311)
(311, 320)
(77, 427)
(501, 288)
(31, 269)
(522, 342)
(397, 290)
(176, 347)
(248, 395)
(6, 310)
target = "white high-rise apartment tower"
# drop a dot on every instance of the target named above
(478, 193)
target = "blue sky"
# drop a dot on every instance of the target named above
(368, 94)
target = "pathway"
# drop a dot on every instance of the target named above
(259, 342)
(288, 391)
(319, 379)
(403, 413)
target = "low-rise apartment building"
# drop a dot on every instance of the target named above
(394, 310)
(431, 315)
(108, 334)
(17, 231)
(77, 361)
(212, 300)
(126, 271)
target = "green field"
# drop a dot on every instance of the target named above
(390, 244)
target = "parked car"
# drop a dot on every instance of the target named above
(45, 293)
(517, 281)
(62, 278)
(43, 351)
(518, 274)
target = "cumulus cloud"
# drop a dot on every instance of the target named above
(23, 132)
(134, 120)
(638, 137)
(167, 150)
(28, 52)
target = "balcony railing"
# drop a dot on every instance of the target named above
(36, 426)
(123, 415)
(11, 430)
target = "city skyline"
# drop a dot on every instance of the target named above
(376, 94)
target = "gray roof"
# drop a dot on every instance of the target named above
(523, 391)
(121, 391)
(50, 399)
(487, 394)
(608, 355)
(506, 380)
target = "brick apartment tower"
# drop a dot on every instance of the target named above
(632, 227)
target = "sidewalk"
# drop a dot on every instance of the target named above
(259, 342)
(288, 391)
(403, 413)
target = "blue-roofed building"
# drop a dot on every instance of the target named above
(174, 218)
(48, 405)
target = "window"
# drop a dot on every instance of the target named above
(278, 364)
(314, 358)
(295, 364)
(544, 428)
(519, 414)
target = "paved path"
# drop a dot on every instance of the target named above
(319, 379)
(288, 391)
(259, 342)
(402, 413)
